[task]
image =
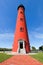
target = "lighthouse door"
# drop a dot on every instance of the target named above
(21, 47)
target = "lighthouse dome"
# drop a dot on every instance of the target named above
(21, 5)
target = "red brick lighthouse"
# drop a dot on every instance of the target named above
(21, 41)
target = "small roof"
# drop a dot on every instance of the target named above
(21, 6)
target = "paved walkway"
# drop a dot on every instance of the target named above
(21, 60)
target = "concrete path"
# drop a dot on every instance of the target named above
(21, 60)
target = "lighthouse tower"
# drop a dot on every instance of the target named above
(21, 41)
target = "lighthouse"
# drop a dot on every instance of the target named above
(21, 39)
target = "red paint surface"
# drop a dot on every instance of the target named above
(21, 60)
(21, 35)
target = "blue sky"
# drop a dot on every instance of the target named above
(34, 20)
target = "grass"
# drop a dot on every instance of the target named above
(4, 56)
(38, 56)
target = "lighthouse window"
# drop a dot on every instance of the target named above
(21, 19)
(21, 12)
(21, 29)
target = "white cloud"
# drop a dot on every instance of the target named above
(6, 35)
(39, 29)
(6, 40)
(36, 38)
(38, 35)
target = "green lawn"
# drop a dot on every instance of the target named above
(4, 56)
(38, 56)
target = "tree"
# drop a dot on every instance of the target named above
(41, 48)
(33, 48)
(5, 49)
